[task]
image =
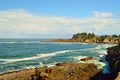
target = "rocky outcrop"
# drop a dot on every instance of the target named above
(87, 59)
(18, 75)
(68, 71)
(113, 58)
(62, 71)
(90, 38)
(61, 40)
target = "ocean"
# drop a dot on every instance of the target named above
(17, 54)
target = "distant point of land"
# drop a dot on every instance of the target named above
(90, 38)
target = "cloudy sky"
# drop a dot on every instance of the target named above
(58, 18)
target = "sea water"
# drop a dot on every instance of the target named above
(17, 54)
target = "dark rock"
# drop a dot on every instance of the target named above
(61, 64)
(113, 56)
(87, 59)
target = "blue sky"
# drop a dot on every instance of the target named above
(58, 18)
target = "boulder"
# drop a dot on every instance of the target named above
(87, 59)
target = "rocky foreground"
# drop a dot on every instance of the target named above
(70, 70)
(62, 71)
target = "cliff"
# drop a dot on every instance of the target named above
(113, 58)
(90, 38)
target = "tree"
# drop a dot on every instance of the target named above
(76, 35)
(102, 38)
(93, 35)
(83, 34)
(114, 35)
(90, 35)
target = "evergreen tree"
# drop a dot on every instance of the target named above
(83, 35)
(115, 35)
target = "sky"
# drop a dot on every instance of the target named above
(58, 18)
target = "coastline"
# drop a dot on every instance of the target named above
(69, 69)
(74, 70)
(89, 38)
(61, 71)
(75, 41)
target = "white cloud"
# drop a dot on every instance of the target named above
(20, 23)
(103, 14)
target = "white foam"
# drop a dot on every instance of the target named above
(79, 57)
(19, 42)
(67, 43)
(29, 67)
(96, 62)
(34, 57)
(101, 55)
(15, 60)
(102, 52)
(10, 42)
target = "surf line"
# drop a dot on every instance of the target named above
(34, 57)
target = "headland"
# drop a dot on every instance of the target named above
(90, 38)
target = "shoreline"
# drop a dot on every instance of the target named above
(47, 65)
(32, 74)
(60, 40)
(67, 70)
(80, 62)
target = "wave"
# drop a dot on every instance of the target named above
(68, 43)
(16, 60)
(100, 49)
(95, 61)
(37, 56)
(25, 42)
(79, 57)
(54, 53)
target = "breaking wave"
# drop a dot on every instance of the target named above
(37, 56)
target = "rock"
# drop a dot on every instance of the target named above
(87, 59)
(63, 71)
(43, 74)
(87, 41)
(113, 58)
(89, 38)
(113, 55)
(61, 64)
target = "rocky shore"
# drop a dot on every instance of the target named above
(62, 71)
(89, 38)
(71, 70)
(113, 59)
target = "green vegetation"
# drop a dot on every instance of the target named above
(91, 37)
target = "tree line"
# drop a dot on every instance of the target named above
(96, 38)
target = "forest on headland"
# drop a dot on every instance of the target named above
(90, 38)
